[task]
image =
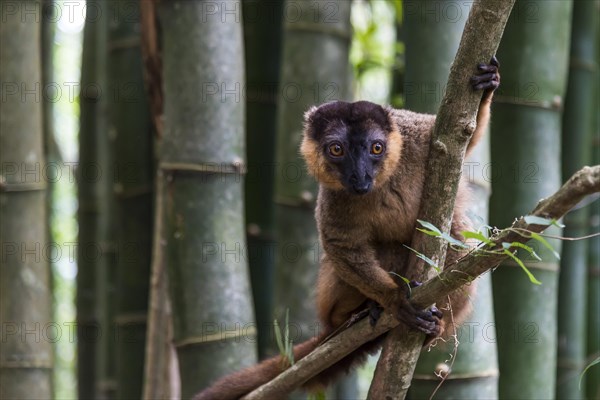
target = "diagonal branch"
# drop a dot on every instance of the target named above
(581, 184)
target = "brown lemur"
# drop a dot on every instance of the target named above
(370, 163)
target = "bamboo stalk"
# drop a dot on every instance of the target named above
(131, 130)
(262, 37)
(26, 359)
(202, 158)
(526, 166)
(577, 130)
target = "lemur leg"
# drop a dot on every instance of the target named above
(336, 300)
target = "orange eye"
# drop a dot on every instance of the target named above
(336, 150)
(377, 148)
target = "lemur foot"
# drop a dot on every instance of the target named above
(488, 78)
(374, 312)
(426, 321)
(414, 284)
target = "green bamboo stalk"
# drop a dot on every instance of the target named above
(51, 151)
(131, 130)
(435, 29)
(262, 36)
(526, 167)
(576, 133)
(314, 70)
(26, 359)
(107, 264)
(399, 67)
(202, 158)
(592, 378)
(89, 189)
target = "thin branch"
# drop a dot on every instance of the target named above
(583, 183)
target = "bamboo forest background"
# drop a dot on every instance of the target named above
(114, 243)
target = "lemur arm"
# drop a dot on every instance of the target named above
(488, 80)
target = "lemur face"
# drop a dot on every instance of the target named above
(346, 144)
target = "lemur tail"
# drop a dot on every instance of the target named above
(238, 384)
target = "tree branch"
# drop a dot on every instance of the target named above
(454, 127)
(583, 183)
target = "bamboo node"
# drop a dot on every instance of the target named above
(557, 102)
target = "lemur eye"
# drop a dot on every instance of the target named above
(377, 148)
(336, 150)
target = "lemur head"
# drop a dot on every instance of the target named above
(351, 146)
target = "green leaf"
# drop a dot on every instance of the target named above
(535, 220)
(590, 365)
(320, 395)
(518, 261)
(284, 344)
(543, 241)
(532, 252)
(404, 279)
(477, 236)
(426, 259)
(286, 335)
(278, 338)
(430, 226)
(428, 232)
(453, 241)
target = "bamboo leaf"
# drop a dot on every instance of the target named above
(532, 252)
(278, 338)
(288, 343)
(518, 261)
(454, 241)
(428, 260)
(404, 279)
(535, 220)
(477, 236)
(544, 242)
(428, 232)
(429, 226)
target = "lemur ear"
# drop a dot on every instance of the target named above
(316, 118)
(309, 115)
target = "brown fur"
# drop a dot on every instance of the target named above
(363, 235)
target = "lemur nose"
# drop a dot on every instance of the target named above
(355, 180)
(362, 188)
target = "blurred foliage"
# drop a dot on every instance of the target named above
(373, 54)
(63, 223)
